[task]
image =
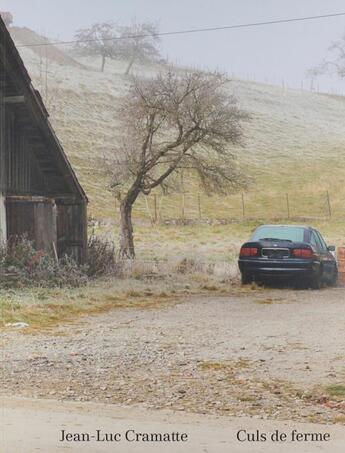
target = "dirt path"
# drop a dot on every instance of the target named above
(266, 353)
(29, 426)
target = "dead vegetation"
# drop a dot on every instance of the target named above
(134, 284)
(51, 309)
(22, 265)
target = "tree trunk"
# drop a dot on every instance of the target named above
(129, 67)
(103, 63)
(126, 234)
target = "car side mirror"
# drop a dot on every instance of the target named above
(331, 248)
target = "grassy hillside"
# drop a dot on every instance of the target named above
(294, 142)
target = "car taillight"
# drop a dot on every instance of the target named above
(303, 253)
(249, 251)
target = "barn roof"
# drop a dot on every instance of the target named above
(33, 115)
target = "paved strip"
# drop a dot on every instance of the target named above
(29, 426)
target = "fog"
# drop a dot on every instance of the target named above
(278, 54)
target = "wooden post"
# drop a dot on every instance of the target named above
(243, 207)
(119, 200)
(155, 208)
(183, 207)
(3, 228)
(148, 209)
(329, 205)
(199, 206)
(288, 205)
(55, 252)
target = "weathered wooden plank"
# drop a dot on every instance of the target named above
(3, 230)
(2, 145)
(13, 99)
(72, 230)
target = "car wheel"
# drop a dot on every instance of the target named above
(334, 279)
(246, 278)
(315, 281)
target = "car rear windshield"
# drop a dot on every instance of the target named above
(294, 234)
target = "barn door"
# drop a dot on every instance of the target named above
(34, 217)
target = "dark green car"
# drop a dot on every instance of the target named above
(287, 252)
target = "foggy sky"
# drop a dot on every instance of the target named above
(272, 54)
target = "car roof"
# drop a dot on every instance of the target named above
(306, 227)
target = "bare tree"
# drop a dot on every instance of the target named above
(139, 43)
(174, 122)
(335, 63)
(100, 40)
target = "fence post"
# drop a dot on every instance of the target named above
(199, 206)
(288, 205)
(183, 207)
(148, 209)
(155, 208)
(329, 205)
(160, 208)
(243, 206)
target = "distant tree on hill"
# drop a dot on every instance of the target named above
(336, 62)
(98, 40)
(169, 123)
(139, 43)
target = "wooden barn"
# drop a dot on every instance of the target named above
(40, 195)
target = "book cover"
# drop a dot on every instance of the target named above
(172, 251)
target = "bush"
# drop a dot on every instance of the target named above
(101, 258)
(22, 265)
(193, 265)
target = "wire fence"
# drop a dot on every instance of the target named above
(188, 208)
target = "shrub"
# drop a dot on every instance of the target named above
(22, 265)
(101, 258)
(193, 265)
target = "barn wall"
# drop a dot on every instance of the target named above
(33, 164)
(18, 166)
(2, 145)
(22, 173)
(72, 229)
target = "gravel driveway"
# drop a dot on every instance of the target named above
(269, 353)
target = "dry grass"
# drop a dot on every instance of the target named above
(269, 301)
(336, 390)
(340, 419)
(46, 308)
(224, 366)
(290, 131)
(143, 287)
(264, 301)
